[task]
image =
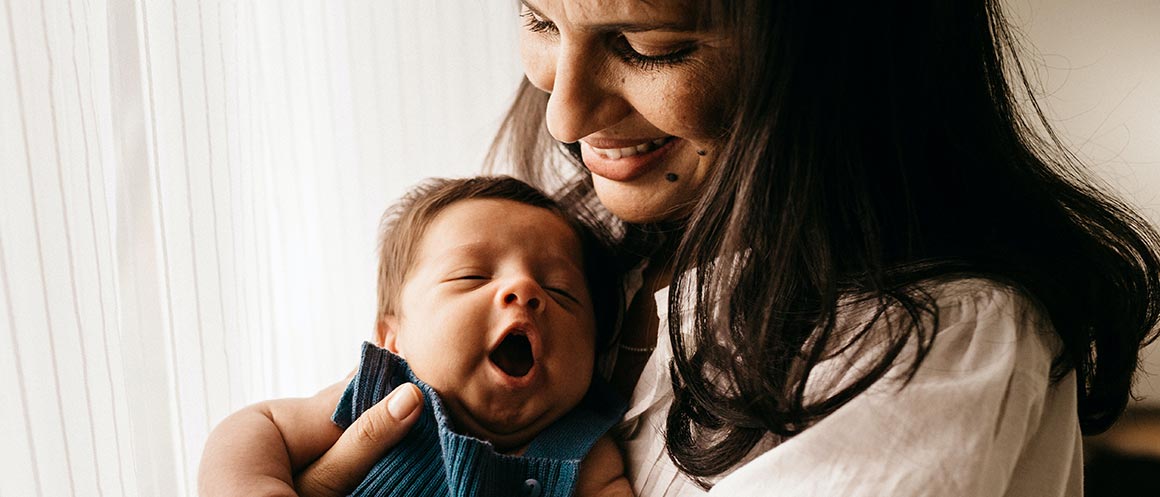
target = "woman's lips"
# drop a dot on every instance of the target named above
(613, 165)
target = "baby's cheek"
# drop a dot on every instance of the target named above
(580, 371)
(438, 371)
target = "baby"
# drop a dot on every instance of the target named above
(486, 293)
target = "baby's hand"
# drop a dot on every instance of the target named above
(602, 472)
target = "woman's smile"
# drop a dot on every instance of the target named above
(626, 163)
(645, 88)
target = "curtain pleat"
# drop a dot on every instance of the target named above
(60, 299)
(191, 192)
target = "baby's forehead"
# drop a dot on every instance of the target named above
(494, 251)
(488, 229)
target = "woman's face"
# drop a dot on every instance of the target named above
(643, 86)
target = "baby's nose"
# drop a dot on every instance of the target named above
(522, 291)
(531, 302)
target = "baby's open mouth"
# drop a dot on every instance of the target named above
(514, 355)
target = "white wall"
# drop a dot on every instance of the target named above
(1098, 63)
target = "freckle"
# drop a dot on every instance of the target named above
(622, 81)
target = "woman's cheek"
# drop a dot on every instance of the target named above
(538, 64)
(691, 107)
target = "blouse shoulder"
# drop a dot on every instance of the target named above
(976, 325)
(978, 416)
(983, 323)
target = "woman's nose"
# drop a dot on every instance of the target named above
(585, 97)
(523, 292)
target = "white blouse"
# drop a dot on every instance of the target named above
(981, 417)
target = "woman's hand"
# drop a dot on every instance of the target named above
(256, 450)
(344, 465)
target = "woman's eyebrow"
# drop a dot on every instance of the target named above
(533, 9)
(627, 27)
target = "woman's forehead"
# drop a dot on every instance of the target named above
(598, 13)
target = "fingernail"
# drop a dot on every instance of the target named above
(402, 403)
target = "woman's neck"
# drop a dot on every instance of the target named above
(641, 323)
(659, 273)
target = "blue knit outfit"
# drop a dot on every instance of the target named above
(433, 460)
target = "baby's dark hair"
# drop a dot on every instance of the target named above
(405, 222)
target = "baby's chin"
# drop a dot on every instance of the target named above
(509, 430)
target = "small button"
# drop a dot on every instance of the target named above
(533, 487)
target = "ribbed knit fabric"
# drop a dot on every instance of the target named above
(435, 461)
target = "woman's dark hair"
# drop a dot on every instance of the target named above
(404, 223)
(877, 148)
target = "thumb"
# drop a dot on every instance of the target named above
(377, 430)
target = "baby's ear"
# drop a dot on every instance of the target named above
(386, 333)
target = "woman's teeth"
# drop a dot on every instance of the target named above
(620, 153)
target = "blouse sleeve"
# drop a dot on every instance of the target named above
(963, 426)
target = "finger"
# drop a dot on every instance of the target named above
(378, 429)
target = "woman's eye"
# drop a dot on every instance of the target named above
(631, 55)
(472, 277)
(537, 24)
(620, 46)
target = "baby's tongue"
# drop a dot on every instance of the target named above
(514, 355)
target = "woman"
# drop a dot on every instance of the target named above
(882, 281)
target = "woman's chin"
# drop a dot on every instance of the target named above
(643, 201)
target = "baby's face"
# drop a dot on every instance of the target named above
(496, 317)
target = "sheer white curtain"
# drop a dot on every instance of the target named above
(190, 192)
